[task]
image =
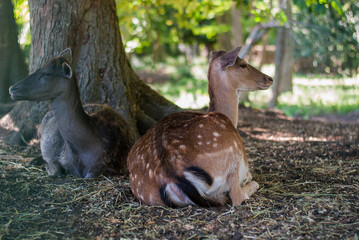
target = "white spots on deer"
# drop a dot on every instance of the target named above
(215, 145)
(183, 147)
(199, 136)
(147, 166)
(150, 174)
(216, 134)
(200, 125)
(200, 143)
(235, 144)
(208, 142)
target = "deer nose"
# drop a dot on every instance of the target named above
(270, 79)
(11, 90)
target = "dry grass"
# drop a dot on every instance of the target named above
(309, 190)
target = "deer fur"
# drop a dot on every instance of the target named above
(195, 158)
(71, 140)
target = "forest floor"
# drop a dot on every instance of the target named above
(308, 173)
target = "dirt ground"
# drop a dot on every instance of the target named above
(308, 173)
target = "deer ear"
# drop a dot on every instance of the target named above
(229, 59)
(67, 54)
(216, 54)
(66, 70)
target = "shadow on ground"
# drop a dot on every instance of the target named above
(307, 171)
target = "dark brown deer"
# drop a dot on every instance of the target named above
(72, 141)
(195, 158)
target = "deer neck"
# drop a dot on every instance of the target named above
(223, 97)
(75, 126)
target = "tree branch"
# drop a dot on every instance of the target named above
(257, 33)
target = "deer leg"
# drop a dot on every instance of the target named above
(250, 188)
(54, 168)
(235, 191)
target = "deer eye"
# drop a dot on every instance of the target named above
(243, 65)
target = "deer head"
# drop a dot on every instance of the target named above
(236, 73)
(228, 75)
(46, 83)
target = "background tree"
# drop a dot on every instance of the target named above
(12, 61)
(283, 56)
(90, 28)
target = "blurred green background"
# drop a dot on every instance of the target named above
(168, 42)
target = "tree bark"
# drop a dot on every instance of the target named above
(12, 60)
(90, 28)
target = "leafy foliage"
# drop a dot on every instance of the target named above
(327, 37)
(147, 24)
(22, 18)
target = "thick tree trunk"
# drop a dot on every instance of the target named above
(12, 60)
(90, 28)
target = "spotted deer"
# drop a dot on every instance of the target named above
(71, 140)
(196, 158)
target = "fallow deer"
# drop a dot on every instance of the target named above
(72, 141)
(195, 158)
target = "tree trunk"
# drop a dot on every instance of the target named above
(264, 51)
(224, 39)
(265, 42)
(278, 59)
(237, 39)
(237, 35)
(283, 58)
(288, 60)
(12, 60)
(90, 28)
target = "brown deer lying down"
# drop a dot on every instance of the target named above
(73, 142)
(194, 158)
